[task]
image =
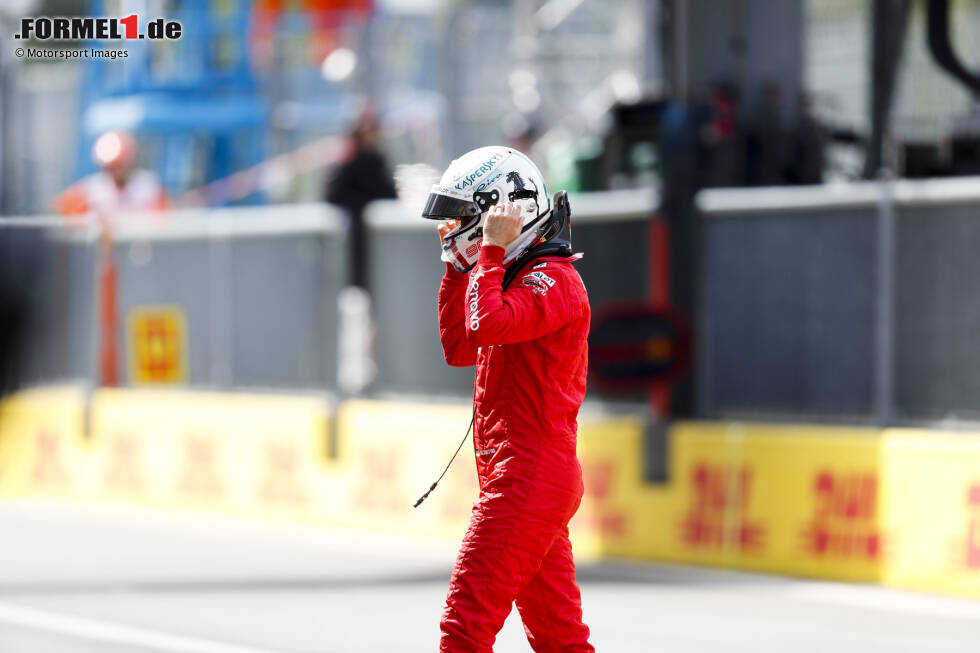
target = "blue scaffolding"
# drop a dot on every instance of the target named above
(194, 103)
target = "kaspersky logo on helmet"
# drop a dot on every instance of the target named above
(486, 167)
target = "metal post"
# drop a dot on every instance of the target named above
(93, 240)
(219, 264)
(884, 356)
(659, 394)
(679, 27)
(449, 80)
(108, 306)
(325, 331)
(656, 448)
(889, 23)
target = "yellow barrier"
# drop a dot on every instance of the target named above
(899, 506)
(618, 508)
(391, 453)
(932, 510)
(41, 442)
(791, 499)
(257, 454)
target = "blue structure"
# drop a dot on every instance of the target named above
(201, 110)
(193, 103)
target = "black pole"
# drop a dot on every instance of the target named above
(889, 22)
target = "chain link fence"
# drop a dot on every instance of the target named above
(253, 298)
(844, 303)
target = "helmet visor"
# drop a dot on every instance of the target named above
(444, 207)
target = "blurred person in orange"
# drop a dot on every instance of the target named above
(118, 185)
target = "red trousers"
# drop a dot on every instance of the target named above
(517, 551)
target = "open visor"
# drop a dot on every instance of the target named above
(444, 207)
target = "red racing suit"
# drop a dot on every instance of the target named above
(529, 347)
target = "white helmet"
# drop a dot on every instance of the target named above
(471, 185)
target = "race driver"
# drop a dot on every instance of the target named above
(511, 303)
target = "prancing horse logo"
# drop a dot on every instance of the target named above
(519, 192)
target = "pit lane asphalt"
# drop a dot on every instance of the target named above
(104, 578)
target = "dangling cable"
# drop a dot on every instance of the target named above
(468, 429)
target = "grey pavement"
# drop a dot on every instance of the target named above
(120, 579)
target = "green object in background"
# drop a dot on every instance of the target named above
(588, 164)
(574, 166)
(561, 172)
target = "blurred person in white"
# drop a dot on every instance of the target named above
(528, 343)
(118, 186)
